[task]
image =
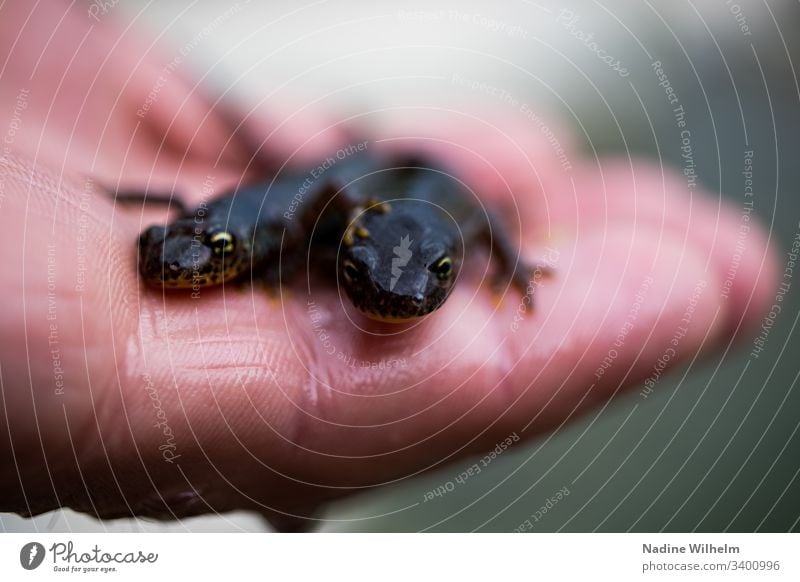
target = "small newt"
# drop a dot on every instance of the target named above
(398, 230)
(236, 236)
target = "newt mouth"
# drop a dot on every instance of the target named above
(397, 308)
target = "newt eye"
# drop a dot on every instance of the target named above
(221, 242)
(442, 268)
(350, 271)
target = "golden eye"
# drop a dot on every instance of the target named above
(442, 268)
(221, 242)
(350, 271)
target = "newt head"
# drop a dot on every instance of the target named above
(402, 263)
(189, 253)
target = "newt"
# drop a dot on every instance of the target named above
(236, 236)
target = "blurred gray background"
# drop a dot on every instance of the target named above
(715, 448)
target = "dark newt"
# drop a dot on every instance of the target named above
(236, 236)
(411, 224)
(397, 230)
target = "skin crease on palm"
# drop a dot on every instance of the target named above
(262, 415)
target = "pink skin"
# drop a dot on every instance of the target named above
(263, 416)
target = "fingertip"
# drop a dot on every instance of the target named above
(749, 268)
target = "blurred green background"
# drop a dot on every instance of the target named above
(715, 447)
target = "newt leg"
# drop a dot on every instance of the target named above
(509, 266)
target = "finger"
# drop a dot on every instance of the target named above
(730, 240)
(127, 114)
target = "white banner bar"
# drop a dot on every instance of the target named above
(401, 557)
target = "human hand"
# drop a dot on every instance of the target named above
(120, 400)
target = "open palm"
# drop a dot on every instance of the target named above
(121, 400)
